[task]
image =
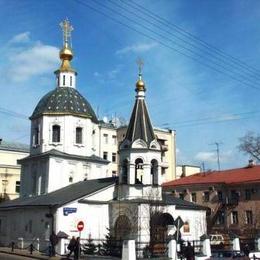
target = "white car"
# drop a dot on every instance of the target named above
(216, 239)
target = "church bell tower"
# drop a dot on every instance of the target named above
(140, 153)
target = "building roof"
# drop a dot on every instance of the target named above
(167, 199)
(140, 126)
(62, 196)
(64, 101)
(56, 153)
(250, 174)
(13, 146)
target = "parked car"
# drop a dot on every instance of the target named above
(228, 254)
(216, 239)
(254, 254)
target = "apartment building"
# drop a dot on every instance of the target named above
(233, 197)
(9, 169)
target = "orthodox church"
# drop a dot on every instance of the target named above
(64, 181)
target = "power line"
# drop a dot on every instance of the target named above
(200, 56)
(215, 55)
(189, 35)
(165, 44)
(12, 113)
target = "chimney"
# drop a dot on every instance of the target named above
(251, 163)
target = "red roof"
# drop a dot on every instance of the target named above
(232, 176)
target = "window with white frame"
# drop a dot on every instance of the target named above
(113, 157)
(234, 217)
(36, 136)
(105, 136)
(249, 217)
(114, 139)
(105, 155)
(55, 133)
(79, 134)
(17, 186)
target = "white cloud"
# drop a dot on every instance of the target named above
(137, 48)
(206, 156)
(21, 38)
(211, 157)
(22, 62)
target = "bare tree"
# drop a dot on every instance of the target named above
(250, 144)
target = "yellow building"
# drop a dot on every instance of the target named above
(10, 170)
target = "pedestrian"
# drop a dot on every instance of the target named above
(54, 241)
(71, 245)
(246, 250)
(77, 249)
(189, 252)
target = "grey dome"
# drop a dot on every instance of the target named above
(64, 101)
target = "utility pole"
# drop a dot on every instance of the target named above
(203, 167)
(217, 150)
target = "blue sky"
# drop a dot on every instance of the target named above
(203, 105)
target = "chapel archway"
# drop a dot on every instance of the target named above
(122, 228)
(159, 223)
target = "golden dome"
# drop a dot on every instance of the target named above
(66, 53)
(140, 86)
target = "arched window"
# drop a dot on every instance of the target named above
(138, 171)
(78, 135)
(56, 133)
(124, 171)
(154, 172)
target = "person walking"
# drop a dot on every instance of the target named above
(54, 241)
(71, 245)
(189, 252)
(77, 248)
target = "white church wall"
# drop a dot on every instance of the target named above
(63, 172)
(196, 220)
(94, 216)
(67, 142)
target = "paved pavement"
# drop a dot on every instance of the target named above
(6, 253)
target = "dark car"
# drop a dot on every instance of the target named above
(228, 254)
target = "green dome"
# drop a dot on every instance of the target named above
(64, 101)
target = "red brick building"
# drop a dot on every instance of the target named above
(232, 195)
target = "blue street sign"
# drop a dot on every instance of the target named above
(67, 211)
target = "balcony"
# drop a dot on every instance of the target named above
(164, 147)
(164, 164)
(230, 201)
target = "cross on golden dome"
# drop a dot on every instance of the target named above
(66, 29)
(140, 86)
(140, 64)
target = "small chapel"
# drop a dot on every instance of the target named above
(64, 181)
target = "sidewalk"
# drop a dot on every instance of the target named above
(26, 253)
(38, 255)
